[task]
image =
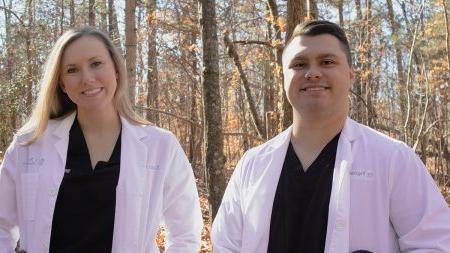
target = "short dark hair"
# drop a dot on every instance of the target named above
(318, 27)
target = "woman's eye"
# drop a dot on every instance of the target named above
(96, 64)
(71, 70)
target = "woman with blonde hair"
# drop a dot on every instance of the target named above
(86, 173)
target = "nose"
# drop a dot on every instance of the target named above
(88, 76)
(312, 73)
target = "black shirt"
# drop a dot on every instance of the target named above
(83, 219)
(300, 208)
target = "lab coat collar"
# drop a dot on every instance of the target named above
(136, 131)
(61, 132)
(62, 129)
(350, 131)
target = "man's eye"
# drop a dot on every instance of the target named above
(327, 62)
(298, 65)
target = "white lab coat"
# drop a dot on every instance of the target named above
(156, 184)
(383, 199)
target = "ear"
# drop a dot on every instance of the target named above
(352, 74)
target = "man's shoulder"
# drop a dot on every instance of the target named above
(271, 145)
(376, 138)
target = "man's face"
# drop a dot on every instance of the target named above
(317, 77)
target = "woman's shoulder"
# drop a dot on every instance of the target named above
(153, 132)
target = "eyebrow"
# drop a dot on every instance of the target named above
(90, 59)
(320, 56)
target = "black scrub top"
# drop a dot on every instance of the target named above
(83, 219)
(300, 208)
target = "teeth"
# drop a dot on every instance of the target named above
(314, 88)
(92, 92)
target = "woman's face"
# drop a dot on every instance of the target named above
(88, 75)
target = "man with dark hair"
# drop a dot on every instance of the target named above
(327, 183)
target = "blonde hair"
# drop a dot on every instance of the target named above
(53, 103)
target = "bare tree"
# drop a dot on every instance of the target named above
(398, 56)
(258, 123)
(28, 42)
(113, 27)
(152, 70)
(130, 45)
(72, 13)
(91, 12)
(214, 164)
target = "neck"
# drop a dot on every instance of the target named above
(99, 121)
(316, 132)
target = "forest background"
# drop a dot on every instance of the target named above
(210, 71)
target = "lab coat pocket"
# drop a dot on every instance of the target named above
(152, 178)
(29, 184)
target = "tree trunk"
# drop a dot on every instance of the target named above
(212, 106)
(61, 18)
(130, 46)
(447, 33)
(445, 113)
(72, 13)
(152, 72)
(285, 108)
(91, 12)
(296, 13)
(398, 56)
(269, 87)
(104, 15)
(368, 66)
(113, 27)
(29, 85)
(341, 12)
(195, 135)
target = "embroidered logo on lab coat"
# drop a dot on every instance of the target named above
(32, 164)
(152, 167)
(362, 174)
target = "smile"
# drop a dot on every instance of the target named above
(314, 88)
(92, 92)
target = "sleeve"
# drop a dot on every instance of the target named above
(181, 206)
(418, 211)
(226, 233)
(8, 205)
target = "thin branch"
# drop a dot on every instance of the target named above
(15, 15)
(196, 124)
(408, 78)
(257, 42)
(251, 104)
(371, 111)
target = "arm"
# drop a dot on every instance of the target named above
(226, 233)
(181, 206)
(418, 211)
(8, 205)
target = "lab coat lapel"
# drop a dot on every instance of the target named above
(261, 194)
(130, 189)
(61, 133)
(337, 239)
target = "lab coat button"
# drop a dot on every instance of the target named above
(340, 224)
